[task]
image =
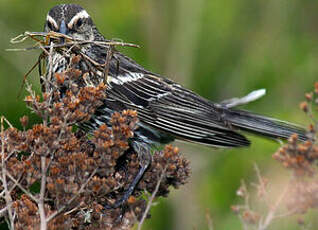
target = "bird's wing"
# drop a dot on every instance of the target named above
(168, 107)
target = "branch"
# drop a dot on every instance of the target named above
(7, 196)
(263, 225)
(209, 219)
(29, 194)
(3, 211)
(43, 223)
(151, 199)
(70, 41)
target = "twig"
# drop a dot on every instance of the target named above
(261, 184)
(18, 39)
(90, 59)
(69, 41)
(73, 210)
(8, 156)
(3, 211)
(29, 194)
(43, 223)
(263, 225)
(246, 196)
(26, 75)
(43, 49)
(7, 196)
(245, 226)
(6, 120)
(15, 184)
(151, 199)
(50, 73)
(209, 219)
(2, 192)
(109, 55)
(22, 37)
(283, 215)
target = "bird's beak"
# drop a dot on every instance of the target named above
(63, 28)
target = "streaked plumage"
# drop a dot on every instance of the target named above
(166, 110)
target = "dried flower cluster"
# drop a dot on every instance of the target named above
(52, 177)
(301, 191)
(302, 159)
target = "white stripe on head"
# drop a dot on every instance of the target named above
(52, 21)
(81, 14)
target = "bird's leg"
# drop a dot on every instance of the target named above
(145, 157)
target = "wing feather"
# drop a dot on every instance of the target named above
(169, 108)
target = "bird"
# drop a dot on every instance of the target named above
(166, 110)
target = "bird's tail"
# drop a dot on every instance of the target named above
(262, 125)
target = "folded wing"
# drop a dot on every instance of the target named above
(168, 107)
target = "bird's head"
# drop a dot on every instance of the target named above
(71, 20)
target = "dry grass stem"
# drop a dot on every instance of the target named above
(151, 199)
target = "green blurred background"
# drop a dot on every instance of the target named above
(220, 49)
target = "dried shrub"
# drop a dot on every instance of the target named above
(53, 177)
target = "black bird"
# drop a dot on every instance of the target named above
(166, 110)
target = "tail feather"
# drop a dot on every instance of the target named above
(264, 126)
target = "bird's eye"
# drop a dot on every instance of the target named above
(79, 23)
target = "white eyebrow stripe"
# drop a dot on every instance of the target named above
(49, 18)
(82, 14)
